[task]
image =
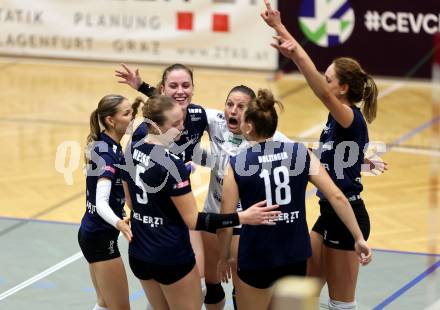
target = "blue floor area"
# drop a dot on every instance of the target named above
(394, 280)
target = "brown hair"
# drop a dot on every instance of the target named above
(154, 107)
(107, 106)
(244, 90)
(171, 68)
(135, 105)
(361, 86)
(262, 114)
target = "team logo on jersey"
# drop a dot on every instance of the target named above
(235, 140)
(111, 249)
(181, 184)
(221, 141)
(115, 148)
(195, 118)
(217, 196)
(110, 169)
(91, 208)
(193, 138)
(326, 22)
(195, 110)
(153, 221)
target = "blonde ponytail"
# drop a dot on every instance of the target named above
(369, 108)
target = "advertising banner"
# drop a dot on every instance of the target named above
(389, 38)
(220, 33)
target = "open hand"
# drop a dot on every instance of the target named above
(129, 77)
(374, 165)
(258, 214)
(224, 270)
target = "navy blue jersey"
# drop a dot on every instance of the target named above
(195, 124)
(153, 175)
(341, 147)
(105, 157)
(140, 133)
(277, 172)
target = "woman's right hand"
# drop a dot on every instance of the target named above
(287, 47)
(129, 77)
(258, 214)
(374, 165)
(124, 227)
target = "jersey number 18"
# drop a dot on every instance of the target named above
(282, 189)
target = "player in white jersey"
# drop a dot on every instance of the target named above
(226, 140)
(224, 143)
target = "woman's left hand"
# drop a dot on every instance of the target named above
(363, 250)
(224, 270)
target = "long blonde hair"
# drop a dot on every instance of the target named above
(361, 86)
(107, 106)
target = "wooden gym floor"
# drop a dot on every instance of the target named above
(46, 103)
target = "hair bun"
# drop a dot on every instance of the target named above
(265, 100)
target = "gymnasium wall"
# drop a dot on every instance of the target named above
(219, 33)
(390, 38)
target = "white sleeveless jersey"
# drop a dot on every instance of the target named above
(223, 144)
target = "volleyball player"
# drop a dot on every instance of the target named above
(226, 140)
(343, 142)
(278, 172)
(177, 82)
(158, 188)
(102, 220)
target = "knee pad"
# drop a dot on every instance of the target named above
(214, 293)
(340, 305)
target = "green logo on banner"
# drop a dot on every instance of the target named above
(326, 22)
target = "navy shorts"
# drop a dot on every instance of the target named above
(164, 274)
(100, 246)
(265, 277)
(335, 234)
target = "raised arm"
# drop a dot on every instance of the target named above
(273, 19)
(134, 80)
(129, 77)
(287, 45)
(320, 178)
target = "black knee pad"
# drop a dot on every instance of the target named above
(214, 293)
